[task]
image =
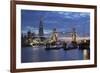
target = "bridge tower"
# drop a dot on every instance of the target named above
(74, 35)
(54, 36)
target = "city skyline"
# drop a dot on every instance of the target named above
(61, 20)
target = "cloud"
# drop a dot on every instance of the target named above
(46, 31)
(35, 30)
(61, 20)
(73, 15)
(84, 14)
(50, 21)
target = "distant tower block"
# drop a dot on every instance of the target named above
(74, 35)
(41, 32)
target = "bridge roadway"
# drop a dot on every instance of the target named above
(69, 39)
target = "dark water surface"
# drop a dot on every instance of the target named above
(39, 54)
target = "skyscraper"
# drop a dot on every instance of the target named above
(41, 32)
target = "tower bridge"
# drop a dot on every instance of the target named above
(73, 36)
(54, 36)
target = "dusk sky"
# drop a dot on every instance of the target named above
(61, 20)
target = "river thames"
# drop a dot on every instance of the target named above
(40, 54)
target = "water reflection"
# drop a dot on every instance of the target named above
(39, 54)
(85, 54)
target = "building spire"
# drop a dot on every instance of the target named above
(41, 32)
